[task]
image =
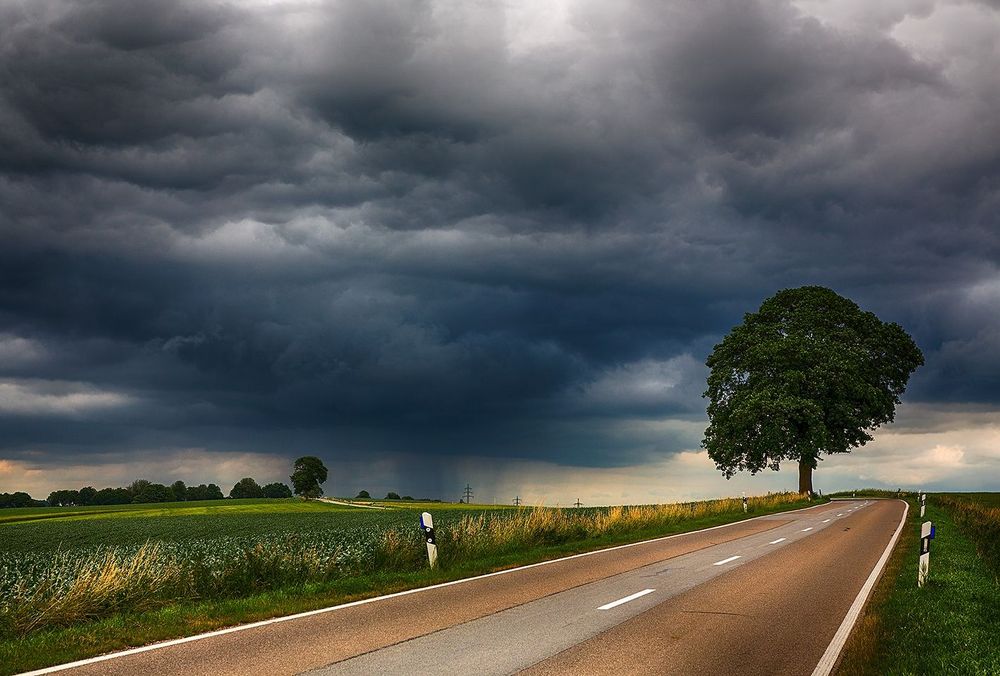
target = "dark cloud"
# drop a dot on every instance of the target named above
(424, 228)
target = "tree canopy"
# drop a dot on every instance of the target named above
(246, 487)
(308, 473)
(808, 373)
(277, 490)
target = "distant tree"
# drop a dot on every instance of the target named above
(112, 496)
(63, 498)
(203, 492)
(407, 497)
(277, 490)
(179, 490)
(362, 495)
(87, 495)
(308, 473)
(17, 499)
(196, 492)
(137, 487)
(246, 488)
(153, 493)
(808, 373)
(392, 496)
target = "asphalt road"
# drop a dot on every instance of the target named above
(764, 596)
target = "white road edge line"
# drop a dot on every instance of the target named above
(631, 597)
(832, 654)
(774, 542)
(731, 558)
(807, 529)
(330, 609)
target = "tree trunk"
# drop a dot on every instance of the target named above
(805, 477)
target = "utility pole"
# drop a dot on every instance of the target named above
(468, 494)
(578, 503)
(517, 501)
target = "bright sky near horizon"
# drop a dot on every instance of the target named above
(449, 242)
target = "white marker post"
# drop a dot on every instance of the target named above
(923, 568)
(745, 502)
(427, 526)
(923, 504)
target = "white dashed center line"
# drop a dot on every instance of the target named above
(731, 558)
(826, 520)
(805, 529)
(632, 597)
(774, 542)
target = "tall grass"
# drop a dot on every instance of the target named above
(490, 534)
(980, 523)
(61, 589)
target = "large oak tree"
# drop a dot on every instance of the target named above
(808, 373)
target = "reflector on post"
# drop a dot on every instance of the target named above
(427, 526)
(924, 566)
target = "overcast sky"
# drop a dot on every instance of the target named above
(488, 242)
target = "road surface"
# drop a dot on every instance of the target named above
(764, 596)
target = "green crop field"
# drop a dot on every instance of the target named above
(42, 530)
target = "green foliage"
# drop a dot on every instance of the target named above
(139, 491)
(392, 496)
(18, 499)
(137, 487)
(246, 488)
(308, 473)
(64, 498)
(153, 493)
(78, 528)
(203, 492)
(179, 490)
(277, 490)
(362, 495)
(808, 373)
(112, 496)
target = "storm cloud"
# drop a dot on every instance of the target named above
(452, 230)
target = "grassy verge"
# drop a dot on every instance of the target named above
(951, 626)
(485, 544)
(978, 516)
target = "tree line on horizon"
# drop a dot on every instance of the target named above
(142, 491)
(307, 475)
